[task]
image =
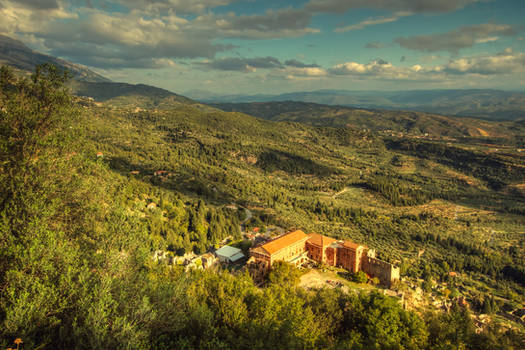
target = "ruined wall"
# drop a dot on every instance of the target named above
(257, 269)
(359, 255)
(384, 271)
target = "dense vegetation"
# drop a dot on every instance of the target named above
(78, 230)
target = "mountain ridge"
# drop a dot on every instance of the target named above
(479, 103)
(85, 82)
(15, 53)
(377, 120)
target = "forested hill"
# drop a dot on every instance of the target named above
(89, 193)
(85, 82)
(387, 121)
(123, 94)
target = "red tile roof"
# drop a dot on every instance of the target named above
(284, 241)
(320, 240)
(351, 245)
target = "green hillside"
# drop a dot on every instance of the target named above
(122, 94)
(90, 191)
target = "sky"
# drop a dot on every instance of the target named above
(268, 46)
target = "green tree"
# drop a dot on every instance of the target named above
(284, 274)
(360, 277)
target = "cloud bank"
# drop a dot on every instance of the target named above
(457, 39)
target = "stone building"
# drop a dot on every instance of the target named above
(318, 248)
(349, 255)
(289, 247)
(297, 247)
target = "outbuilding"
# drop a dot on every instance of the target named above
(229, 254)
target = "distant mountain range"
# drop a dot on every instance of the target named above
(85, 82)
(379, 120)
(490, 104)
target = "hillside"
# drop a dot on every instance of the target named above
(383, 121)
(89, 195)
(123, 94)
(85, 82)
(291, 171)
(489, 104)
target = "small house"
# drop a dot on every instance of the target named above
(229, 254)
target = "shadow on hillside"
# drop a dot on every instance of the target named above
(180, 180)
(293, 164)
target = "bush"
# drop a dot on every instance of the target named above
(360, 277)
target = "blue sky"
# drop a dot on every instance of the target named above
(252, 46)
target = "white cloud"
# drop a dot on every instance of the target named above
(506, 62)
(376, 67)
(247, 65)
(312, 72)
(149, 35)
(417, 6)
(177, 6)
(373, 21)
(501, 64)
(28, 16)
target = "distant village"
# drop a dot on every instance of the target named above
(297, 248)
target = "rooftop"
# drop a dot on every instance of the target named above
(284, 241)
(228, 251)
(351, 245)
(320, 240)
(236, 257)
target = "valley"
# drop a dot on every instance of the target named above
(397, 194)
(115, 199)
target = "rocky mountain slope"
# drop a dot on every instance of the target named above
(16, 54)
(85, 82)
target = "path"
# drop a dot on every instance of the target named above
(248, 217)
(344, 190)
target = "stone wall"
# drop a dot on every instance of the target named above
(350, 259)
(384, 271)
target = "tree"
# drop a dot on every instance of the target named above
(284, 274)
(360, 277)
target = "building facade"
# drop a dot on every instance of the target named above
(289, 247)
